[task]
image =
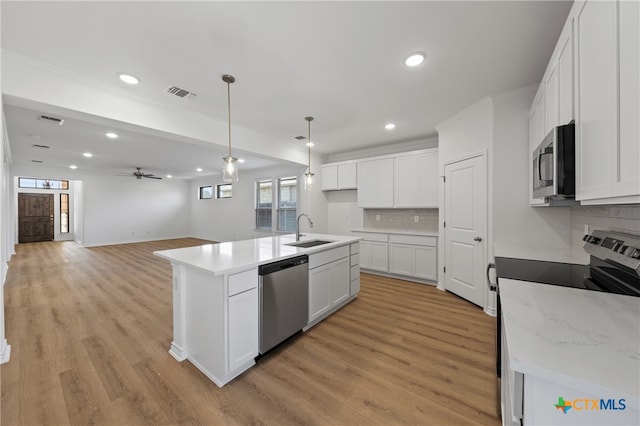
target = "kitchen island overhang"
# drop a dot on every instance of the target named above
(216, 303)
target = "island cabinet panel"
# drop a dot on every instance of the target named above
(329, 282)
(243, 328)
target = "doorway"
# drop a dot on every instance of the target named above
(35, 217)
(465, 194)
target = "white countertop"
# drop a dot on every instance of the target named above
(236, 256)
(583, 339)
(579, 256)
(397, 231)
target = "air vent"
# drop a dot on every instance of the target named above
(299, 138)
(52, 120)
(37, 161)
(35, 145)
(181, 93)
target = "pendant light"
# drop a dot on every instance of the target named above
(308, 177)
(230, 170)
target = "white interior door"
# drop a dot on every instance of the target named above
(465, 196)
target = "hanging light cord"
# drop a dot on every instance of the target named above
(229, 115)
(309, 119)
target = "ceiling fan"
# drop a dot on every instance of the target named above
(139, 175)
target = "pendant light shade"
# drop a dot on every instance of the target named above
(230, 169)
(308, 177)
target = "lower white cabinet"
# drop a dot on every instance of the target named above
(414, 256)
(374, 255)
(243, 328)
(329, 281)
(354, 263)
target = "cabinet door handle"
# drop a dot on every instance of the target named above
(478, 239)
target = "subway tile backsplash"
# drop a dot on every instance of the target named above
(622, 218)
(401, 219)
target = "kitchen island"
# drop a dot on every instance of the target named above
(570, 356)
(216, 302)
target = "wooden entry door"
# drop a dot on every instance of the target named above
(35, 217)
(465, 231)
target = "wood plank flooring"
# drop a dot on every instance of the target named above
(90, 330)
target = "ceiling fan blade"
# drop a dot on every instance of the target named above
(152, 177)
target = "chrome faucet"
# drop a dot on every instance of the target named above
(298, 224)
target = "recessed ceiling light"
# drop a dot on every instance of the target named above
(240, 160)
(198, 169)
(310, 143)
(389, 126)
(111, 135)
(415, 59)
(169, 176)
(128, 78)
(88, 154)
(73, 166)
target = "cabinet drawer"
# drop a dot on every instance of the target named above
(416, 240)
(373, 236)
(355, 273)
(354, 248)
(242, 281)
(324, 257)
(355, 259)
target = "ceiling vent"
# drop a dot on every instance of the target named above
(52, 120)
(38, 146)
(37, 161)
(181, 93)
(299, 138)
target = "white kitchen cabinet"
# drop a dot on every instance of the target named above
(319, 291)
(607, 142)
(329, 281)
(243, 328)
(374, 255)
(537, 127)
(354, 266)
(338, 176)
(375, 183)
(565, 74)
(551, 97)
(414, 256)
(416, 181)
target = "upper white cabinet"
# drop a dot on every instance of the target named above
(336, 176)
(565, 72)
(375, 183)
(407, 180)
(607, 134)
(416, 180)
(537, 127)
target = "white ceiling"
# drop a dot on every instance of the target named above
(341, 62)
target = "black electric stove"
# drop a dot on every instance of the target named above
(614, 267)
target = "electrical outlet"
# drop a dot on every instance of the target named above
(416, 218)
(377, 218)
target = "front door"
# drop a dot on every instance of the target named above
(35, 217)
(465, 228)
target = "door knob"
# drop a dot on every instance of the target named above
(478, 239)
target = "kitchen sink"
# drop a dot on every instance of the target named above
(308, 243)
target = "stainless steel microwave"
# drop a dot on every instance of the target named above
(554, 174)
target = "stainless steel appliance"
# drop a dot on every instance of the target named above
(554, 165)
(614, 267)
(284, 300)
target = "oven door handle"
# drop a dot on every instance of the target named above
(547, 151)
(492, 287)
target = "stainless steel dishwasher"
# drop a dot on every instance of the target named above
(284, 300)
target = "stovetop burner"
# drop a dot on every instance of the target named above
(614, 266)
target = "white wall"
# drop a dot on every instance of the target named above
(514, 221)
(6, 231)
(232, 219)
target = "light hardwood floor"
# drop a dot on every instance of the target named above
(90, 330)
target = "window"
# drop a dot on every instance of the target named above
(36, 183)
(64, 213)
(205, 192)
(287, 196)
(223, 190)
(264, 203)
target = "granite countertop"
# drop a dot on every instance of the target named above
(583, 339)
(236, 256)
(397, 231)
